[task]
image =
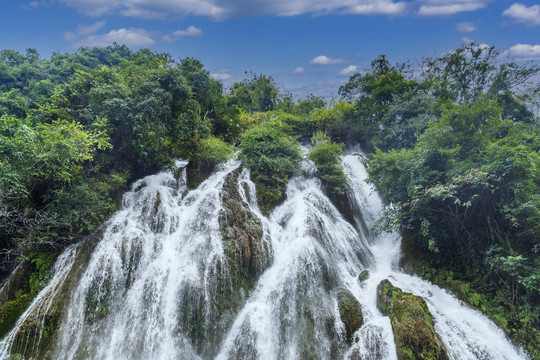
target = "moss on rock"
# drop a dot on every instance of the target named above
(363, 276)
(350, 312)
(246, 256)
(42, 327)
(412, 324)
(21, 288)
(197, 172)
(247, 253)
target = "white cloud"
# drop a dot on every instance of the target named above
(466, 27)
(523, 14)
(325, 60)
(132, 37)
(95, 7)
(84, 30)
(36, 5)
(224, 9)
(299, 70)
(524, 52)
(449, 7)
(222, 75)
(349, 70)
(378, 7)
(86, 35)
(190, 31)
(477, 46)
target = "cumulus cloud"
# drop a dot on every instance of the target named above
(524, 52)
(349, 70)
(86, 36)
(325, 60)
(299, 70)
(466, 27)
(378, 7)
(190, 31)
(449, 7)
(224, 9)
(523, 14)
(222, 75)
(132, 37)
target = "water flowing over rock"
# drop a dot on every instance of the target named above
(350, 312)
(412, 324)
(244, 241)
(203, 274)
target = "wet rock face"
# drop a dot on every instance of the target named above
(15, 296)
(242, 235)
(197, 173)
(350, 312)
(246, 256)
(412, 324)
(37, 336)
(363, 276)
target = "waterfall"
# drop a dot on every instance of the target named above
(466, 333)
(202, 273)
(28, 339)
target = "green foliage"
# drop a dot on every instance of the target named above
(455, 154)
(213, 151)
(334, 120)
(406, 118)
(273, 155)
(350, 312)
(24, 292)
(308, 105)
(231, 122)
(76, 128)
(326, 156)
(80, 208)
(412, 323)
(467, 190)
(12, 102)
(63, 146)
(260, 93)
(373, 93)
(43, 263)
(473, 70)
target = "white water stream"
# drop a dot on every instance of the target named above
(150, 288)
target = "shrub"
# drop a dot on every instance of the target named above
(214, 151)
(325, 155)
(273, 156)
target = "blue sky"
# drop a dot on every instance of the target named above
(307, 46)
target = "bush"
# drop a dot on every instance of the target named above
(325, 155)
(273, 156)
(214, 151)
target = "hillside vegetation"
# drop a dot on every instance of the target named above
(452, 147)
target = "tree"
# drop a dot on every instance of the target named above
(372, 93)
(273, 155)
(260, 93)
(472, 70)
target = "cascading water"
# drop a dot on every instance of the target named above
(201, 274)
(150, 287)
(466, 333)
(36, 312)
